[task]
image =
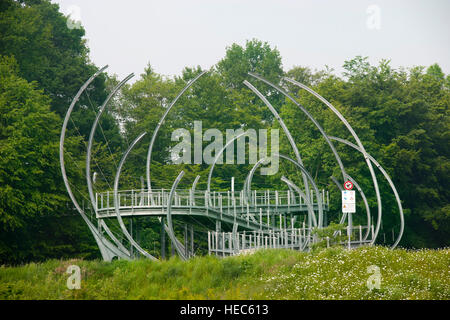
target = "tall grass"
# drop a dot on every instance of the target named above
(334, 273)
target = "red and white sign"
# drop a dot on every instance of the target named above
(348, 185)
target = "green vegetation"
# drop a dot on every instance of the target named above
(333, 273)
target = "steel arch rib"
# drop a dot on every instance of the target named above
(166, 228)
(88, 160)
(355, 136)
(194, 185)
(314, 121)
(302, 168)
(319, 200)
(114, 239)
(293, 185)
(285, 129)
(116, 200)
(208, 186)
(102, 243)
(391, 184)
(250, 174)
(170, 232)
(249, 177)
(155, 132)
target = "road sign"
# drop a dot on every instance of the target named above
(348, 201)
(348, 185)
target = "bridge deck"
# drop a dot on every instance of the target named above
(247, 211)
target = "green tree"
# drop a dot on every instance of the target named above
(47, 51)
(32, 197)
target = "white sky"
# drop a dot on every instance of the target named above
(172, 34)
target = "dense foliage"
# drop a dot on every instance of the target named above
(401, 115)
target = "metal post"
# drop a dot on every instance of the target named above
(217, 242)
(131, 233)
(209, 243)
(192, 240)
(276, 198)
(163, 239)
(186, 247)
(218, 225)
(349, 230)
(260, 218)
(360, 234)
(232, 185)
(223, 244)
(328, 201)
(228, 197)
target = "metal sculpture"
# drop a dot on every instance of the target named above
(236, 221)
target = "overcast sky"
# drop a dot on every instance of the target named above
(171, 34)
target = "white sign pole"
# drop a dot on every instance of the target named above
(349, 207)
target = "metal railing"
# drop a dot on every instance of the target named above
(225, 201)
(227, 244)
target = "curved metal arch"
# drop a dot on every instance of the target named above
(235, 236)
(166, 229)
(108, 231)
(250, 174)
(170, 231)
(319, 200)
(116, 200)
(161, 121)
(208, 186)
(194, 185)
(308, 201)
(107, 249)
(285, 129)
(391, 184)
(355, 136)
(88, 160)
(295, 187)
(314, 121)
(363, 196)
(250, 177)
(302, 168)
(292, 185)
(292, 195)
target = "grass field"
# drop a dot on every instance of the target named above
(334, 273)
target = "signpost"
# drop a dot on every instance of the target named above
(349, 206)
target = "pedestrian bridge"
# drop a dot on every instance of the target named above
(252, 210)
